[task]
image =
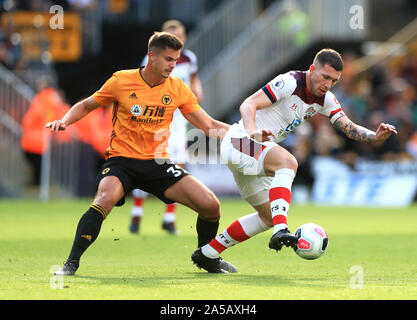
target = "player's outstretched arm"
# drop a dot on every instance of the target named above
(77, 112)
(211, 127)
(359, 133)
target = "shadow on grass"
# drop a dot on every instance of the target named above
(196, 278)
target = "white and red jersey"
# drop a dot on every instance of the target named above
(292, 104)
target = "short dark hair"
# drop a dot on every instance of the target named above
(330, 57)
(162, 40)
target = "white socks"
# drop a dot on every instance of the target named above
(280, 197)
(242, 229)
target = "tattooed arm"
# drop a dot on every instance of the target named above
(358, 133)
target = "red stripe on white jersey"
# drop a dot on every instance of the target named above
(334, 112)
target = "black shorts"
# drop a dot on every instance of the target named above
(153, 176)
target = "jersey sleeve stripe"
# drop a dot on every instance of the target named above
(334, 112)
(268, 91)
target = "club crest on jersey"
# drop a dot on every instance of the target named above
(136, 110)
(309, 113)
(279, 84)
(166, 99)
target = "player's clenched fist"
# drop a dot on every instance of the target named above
(56, 125)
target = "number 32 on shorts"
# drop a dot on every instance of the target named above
(175, 170)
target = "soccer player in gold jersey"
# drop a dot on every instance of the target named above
(144, 101)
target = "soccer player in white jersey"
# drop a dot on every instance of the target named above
(186, 69)
(264, 171)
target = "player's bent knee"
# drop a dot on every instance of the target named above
(288, 162)
(291, 163)
(213, 207)
(209, 209)
(110, 191)
(279, 158)
(105, 200)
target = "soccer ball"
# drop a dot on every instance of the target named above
(312, 241)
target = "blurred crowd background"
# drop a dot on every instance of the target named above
(49, 71)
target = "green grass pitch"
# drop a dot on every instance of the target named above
(371, 255)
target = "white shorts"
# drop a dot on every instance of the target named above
(245, 158)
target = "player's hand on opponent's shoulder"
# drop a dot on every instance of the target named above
(262, 135)
(384, 131)
(56, 125)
